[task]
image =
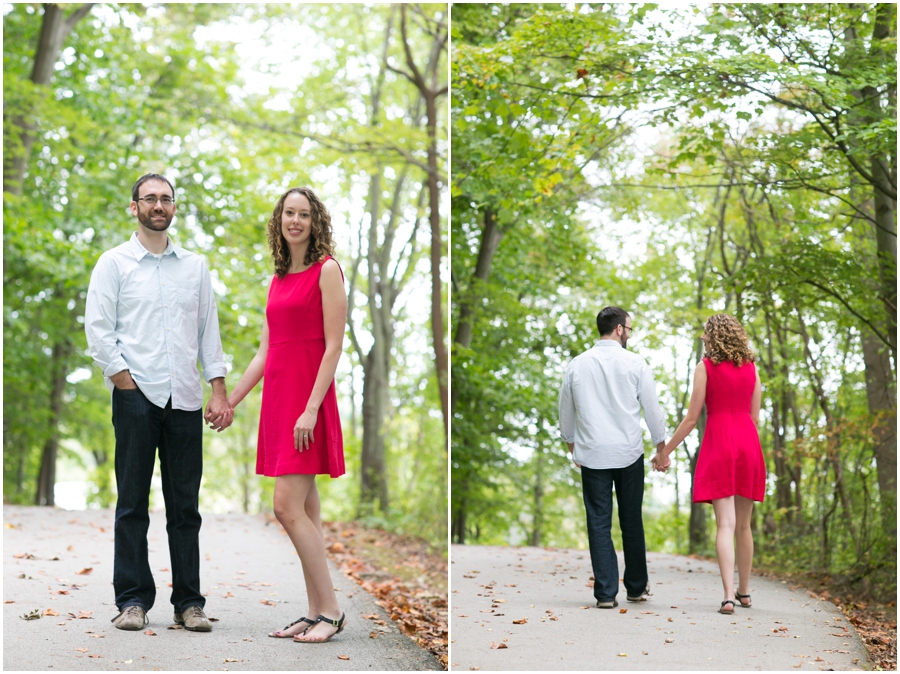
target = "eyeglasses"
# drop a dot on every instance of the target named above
(151, 200)
(628, 327)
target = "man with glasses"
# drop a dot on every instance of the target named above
(150, 316)
(600, 402)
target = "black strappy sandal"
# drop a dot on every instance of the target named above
(287, 627)
(722, 607)
(322, 619)
(743, 596)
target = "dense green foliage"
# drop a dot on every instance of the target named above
(236, 103)
(678, 163)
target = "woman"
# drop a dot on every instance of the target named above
(299, 427)
(731, 471)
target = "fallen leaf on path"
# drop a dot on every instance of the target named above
(94, 655)
(83, 615)
(127, 662)
(176, 627)
(520, 622)
(11, 601)
(85, 571)
(51, 611)
(670, 619)
(265, 601)
(150, 633)
(343, 657)
(623, 655)
(24, 555)
(496, 646)
(232, 660)
(62, 624)
(98, 636)
(34, 615)
(374, 634)
(62, 592)
(623, 610)
(82, 650)
(374, 616)
(645, 652)
(670, 641)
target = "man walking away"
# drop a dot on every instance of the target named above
(600, 402)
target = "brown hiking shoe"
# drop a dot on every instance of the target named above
(131, 618)
(194, 619)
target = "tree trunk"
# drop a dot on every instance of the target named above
(882, 404)
(458, 525)
(538, 494)
(698, 540)
(55, 28)
(373, 473)
(47, 476)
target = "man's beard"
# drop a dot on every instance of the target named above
(623, 340)
(146, 219)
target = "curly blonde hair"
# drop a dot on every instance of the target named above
(726, 339)
(321, 243)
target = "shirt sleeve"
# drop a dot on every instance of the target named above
(211, 357)
(653, 413)
(100, 318)
(567, 408)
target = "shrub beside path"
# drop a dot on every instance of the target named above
(533, 609)
(59, 564)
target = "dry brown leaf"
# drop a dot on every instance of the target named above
(176, 627)
(150, 633)
(622, 655)
(11, 601)
(51, 611)
(623, 610)
(265, 601)
(85, 571)
(496, 646)
(82, 650)
(94, 655)
(520, 622)
(343, 657)
(231, 660)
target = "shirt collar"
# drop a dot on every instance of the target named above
(137, 248)
(607, 344)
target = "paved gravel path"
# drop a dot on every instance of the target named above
(677, 629)
(249, 573)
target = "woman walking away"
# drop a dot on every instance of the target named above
(299, 427)
(730, 471)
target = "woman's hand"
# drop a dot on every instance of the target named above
(660, 461)
(303, 431)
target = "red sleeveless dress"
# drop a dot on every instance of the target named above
(296, 348)
(731, 459)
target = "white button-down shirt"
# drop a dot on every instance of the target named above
(600, 403)
(155, 315)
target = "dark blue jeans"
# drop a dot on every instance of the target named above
(142, 428)
(597, 486)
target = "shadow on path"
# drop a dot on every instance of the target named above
(494, 588)
(250, 575)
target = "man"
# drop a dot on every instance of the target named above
(150, 316)
(600, 402)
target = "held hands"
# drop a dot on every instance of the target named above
(303, 430)
(660, 461)
(219, 413)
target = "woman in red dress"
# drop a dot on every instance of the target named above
(299, 427)
(730, 471)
